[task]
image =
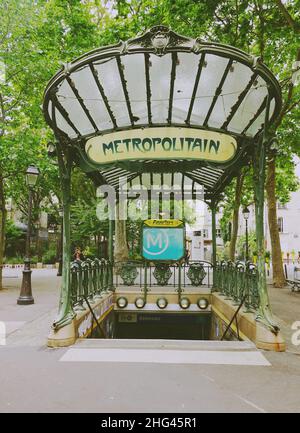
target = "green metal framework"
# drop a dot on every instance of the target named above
(69, 86)
(163, 79)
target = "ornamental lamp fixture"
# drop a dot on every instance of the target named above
(51, 149)
(32, 175)
(246, 213)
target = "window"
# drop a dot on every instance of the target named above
(203, 233)
(280, 224)
(218, 233)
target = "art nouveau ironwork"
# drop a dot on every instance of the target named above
(164, 80)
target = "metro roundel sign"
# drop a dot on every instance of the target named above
(163, 240)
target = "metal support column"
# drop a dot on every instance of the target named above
(264, 314)
(213, 206)
(111, 247)
(110, 239)
(65, 312)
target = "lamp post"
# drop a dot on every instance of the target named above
(246, 214)
(25, 297)
(59, 271)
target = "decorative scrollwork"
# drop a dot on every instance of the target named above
(158, 38)
(196, 273)
(128, 273)
(162, 273)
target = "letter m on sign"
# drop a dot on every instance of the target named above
(153, 240)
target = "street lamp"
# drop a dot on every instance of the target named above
(246, 214)
(59, 271)
(25, 297)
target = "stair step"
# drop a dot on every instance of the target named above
(166, 344)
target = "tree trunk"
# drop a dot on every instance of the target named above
(120, 247)
(235, 215)
(2, 227)
(278, 274)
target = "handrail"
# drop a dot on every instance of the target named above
(238, 281)
(90, 279)
(94, 318)
(234, 318)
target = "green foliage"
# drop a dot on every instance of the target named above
(13, 236)
(90, 252)
(49, 257)
(84, 224)
(12, 232)
(16, 260)
(241, 246)
(35, 36)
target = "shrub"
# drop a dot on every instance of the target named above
(49, 258)
(17, 260)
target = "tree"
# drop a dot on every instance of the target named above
(289, 104)
(34, 38)
(16, 19)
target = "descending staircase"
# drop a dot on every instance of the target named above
(165, 352)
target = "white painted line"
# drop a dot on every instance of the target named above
(251, 404)
(165, 356)
(12, 326)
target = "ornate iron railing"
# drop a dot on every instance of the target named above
(90, 279)
(163, 274)
(237, 281)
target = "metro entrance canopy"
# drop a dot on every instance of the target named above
(162, 80)
(162, 104)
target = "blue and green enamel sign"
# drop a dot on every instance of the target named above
(163, 240)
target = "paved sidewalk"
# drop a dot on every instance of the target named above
(35, 378)
(30, 323)
(286, 307)
(33, 321)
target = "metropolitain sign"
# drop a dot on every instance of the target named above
(161, 143)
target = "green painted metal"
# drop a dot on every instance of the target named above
(65, 311)
(92, 278)
(238, 281)
(179, 286)
(213, 206)
(259, 164)
(173, 45)
(162, 273)
(128, 273)
(145, 286)
(110, 240)
(89, 280)
(110, 252)
(196, 274)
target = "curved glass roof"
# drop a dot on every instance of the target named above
(163, 79)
